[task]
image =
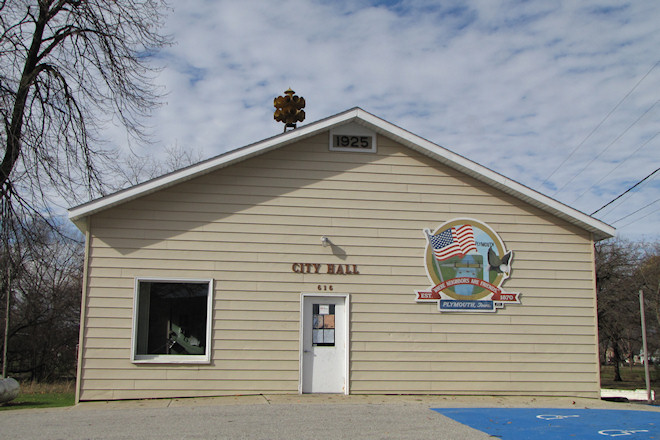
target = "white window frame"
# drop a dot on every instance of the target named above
(169, 358)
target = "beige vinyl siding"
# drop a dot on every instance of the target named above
(245, 225)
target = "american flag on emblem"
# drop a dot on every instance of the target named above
(452, 242)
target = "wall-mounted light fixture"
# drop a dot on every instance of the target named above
(325, 241)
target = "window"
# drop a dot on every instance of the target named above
(172, 321)
(323, 325)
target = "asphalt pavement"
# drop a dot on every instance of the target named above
(272, 417)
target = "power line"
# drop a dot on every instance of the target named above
(640, 218)
(625, 192)
(635, 212)
(608, 146)
(618, 165)
(626, 197)
(602, 122)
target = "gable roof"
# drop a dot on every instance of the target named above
(79, 214)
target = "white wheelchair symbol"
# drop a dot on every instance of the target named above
(618, 432)
(554, 416)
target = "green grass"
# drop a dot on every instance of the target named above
(633, 378)
(39, 395)
(34, 395)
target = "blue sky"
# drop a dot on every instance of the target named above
(517, 86)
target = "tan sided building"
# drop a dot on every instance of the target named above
(345, 256)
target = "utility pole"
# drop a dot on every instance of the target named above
(644, 348)
(6, 335)
(4, 224)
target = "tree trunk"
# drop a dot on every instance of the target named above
(617, 363)
(15, 127)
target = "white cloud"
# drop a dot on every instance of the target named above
(513, 85)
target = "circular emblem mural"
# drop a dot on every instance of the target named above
(467, 263)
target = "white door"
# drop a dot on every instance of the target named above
(324, 344)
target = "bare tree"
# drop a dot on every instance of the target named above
(132, 169)
(650, 272)
(622, 269)
(67, 67)
(617, 262)
(45, 312)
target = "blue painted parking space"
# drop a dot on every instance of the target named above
(552, 423)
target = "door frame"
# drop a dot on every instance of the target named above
(347, 321)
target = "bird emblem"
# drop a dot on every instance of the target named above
(502, 265)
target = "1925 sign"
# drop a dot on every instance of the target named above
(352, 142)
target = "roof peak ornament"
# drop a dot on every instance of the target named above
(289, 109)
